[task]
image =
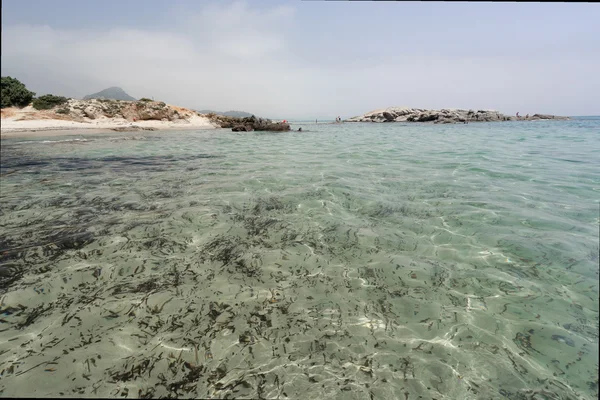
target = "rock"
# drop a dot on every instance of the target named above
(148, 110)
(248, 124)
(242, 128)
(428, 116)
(443, 116)
(90, 112)
(389, 116)
(546, 116)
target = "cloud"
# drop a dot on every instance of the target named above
(238, 30)
(223, 57)
(241, 57)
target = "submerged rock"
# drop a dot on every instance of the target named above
(444, 116)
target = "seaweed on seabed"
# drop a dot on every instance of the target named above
(256, 225)
(9, 274)
(247, 268)
(53, 244)
(272, 203)
(164, 245)
(188, 383)
(223, 249)
(136, 371)
(34, 314)
(71, 239)
(381, 211)
(144, 287)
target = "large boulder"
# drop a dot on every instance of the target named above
(388, 116)
(277, 127)
(427, 116)
(91, 112)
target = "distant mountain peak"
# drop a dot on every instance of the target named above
(231, 113)
(113, 93)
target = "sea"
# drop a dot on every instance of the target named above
(346, 261)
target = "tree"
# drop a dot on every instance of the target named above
(48, 101)
(14, 93)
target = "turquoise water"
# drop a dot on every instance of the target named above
(347, 261)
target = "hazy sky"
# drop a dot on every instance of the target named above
(311, 59)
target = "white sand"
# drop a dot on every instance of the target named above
(12, 124)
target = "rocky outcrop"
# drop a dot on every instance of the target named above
(81, 110)
(248, 124)
(444, 116)
(104, 114)
(150, 110)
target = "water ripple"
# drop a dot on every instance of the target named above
(352, 260)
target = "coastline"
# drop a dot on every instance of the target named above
(48, 131)
(28, 122)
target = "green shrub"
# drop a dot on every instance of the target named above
(64, 110)
(14, 93)
(145, 99)
(48, 101)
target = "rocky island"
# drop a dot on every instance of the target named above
(444, 116)
(248, 124)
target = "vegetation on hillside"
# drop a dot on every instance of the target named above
(14, 93)
(48, 101)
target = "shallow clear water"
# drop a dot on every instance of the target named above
(346, 261)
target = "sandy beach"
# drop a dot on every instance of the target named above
(28, 122)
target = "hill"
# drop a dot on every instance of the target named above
(110, 114)
(231, 113)
(112, 93)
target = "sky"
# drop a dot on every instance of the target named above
(311, 59)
